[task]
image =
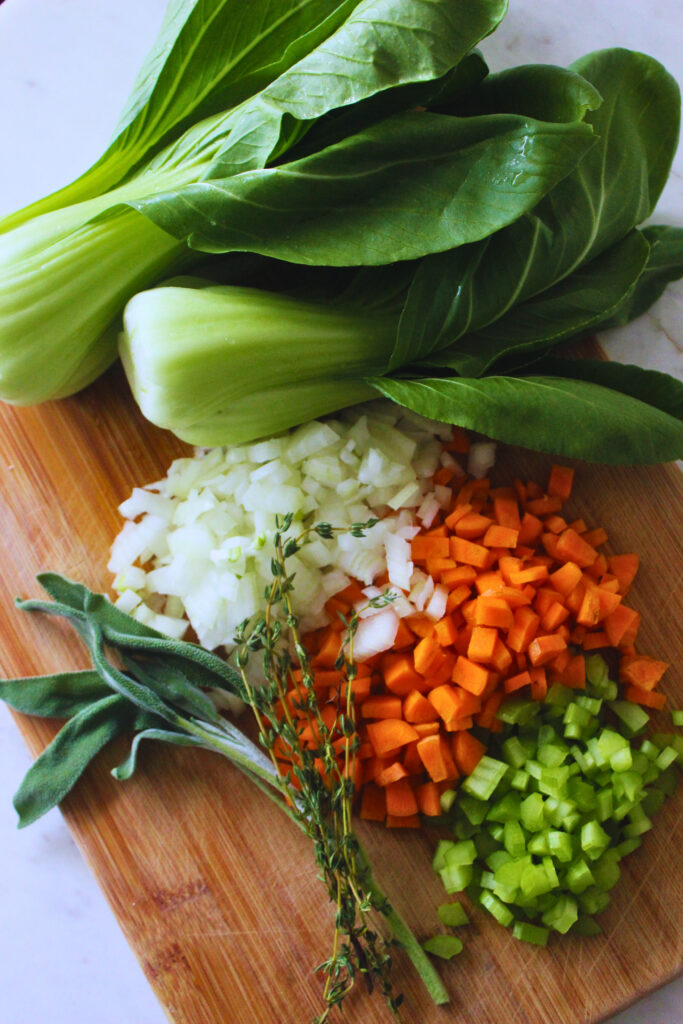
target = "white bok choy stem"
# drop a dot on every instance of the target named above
(220, 364)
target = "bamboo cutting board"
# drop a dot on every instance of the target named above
(213, 887)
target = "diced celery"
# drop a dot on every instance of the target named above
(494, 906)
(439, 859)
(487, 880)
(563, 915)
(513, 752)
(485, 844)
(520, 781)
(485, 777)
(666, 781)
(606, 873)
(652, 801)
(579, 876)
(677, 717)
(464, 852)
(447, 799)
(538, 843)
(628, 846)
(444, 946)
(621, 760)
(505, 809)
(585, 925)
(518, 711)
(593, 900)
(582, 793)
(474, 809)
(464, 829)
(456, 877)
(533, 933)
(535, 880)
(531, 813)
(452, 914)
(553, 781)
(560, 846)
(513, 838)
(497, 831)
(594, 839)
(666, 757)
(649, 749)
(559, 695)
(549, 868)
(628, 783)
(498, 857)
(632, 716)
(552, 754)
(605, 804)
(591, 704)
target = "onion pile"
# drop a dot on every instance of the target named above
(196, 548)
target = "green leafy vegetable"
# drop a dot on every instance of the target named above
(577, 418)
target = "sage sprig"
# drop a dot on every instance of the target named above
(157, 688)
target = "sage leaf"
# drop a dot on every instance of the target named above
(55, 696)
(414, 183)
(62, 763)
(173, 686)
(574, 418)
(126, 769)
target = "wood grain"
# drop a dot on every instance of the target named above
(214, 889)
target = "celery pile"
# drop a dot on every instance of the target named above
(541, 826)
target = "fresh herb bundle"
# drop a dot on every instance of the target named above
(161, 693)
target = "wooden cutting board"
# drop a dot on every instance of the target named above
(213, 887)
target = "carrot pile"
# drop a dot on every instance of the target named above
(528, 594)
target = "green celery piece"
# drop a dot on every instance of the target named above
(652, 801)
(563, 915)
(442, 847)
(594, 839)
(513, 838)
(666, 757)
(606, 873)
(443, 946)
(585, 925)
(456, 877)
(483, 781)
(532, 933)
(457, 854)
(502, 914)
(621, 760)
(453, 915)
(506, 809)
(579, 876)
(632, 716)
(447, 799)
(531, 812)
(535, 881)
(560, 845)
(677, 717)
(593, 900)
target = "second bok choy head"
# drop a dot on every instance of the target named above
(220, 364)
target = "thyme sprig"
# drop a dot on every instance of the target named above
(324, 789)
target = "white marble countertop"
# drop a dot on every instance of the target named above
(65, 70)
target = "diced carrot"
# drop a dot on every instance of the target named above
(472, 525)
(424, 654)
(482, 643)
(546, 505)
(437, 758)
(624, 567)
(381, 706)
(328, 652)
(553, 617)
(589, 612)
(571, 547)
(470, 553)
(360, 689)
(565, 578)
(460, 441)
(444, 475)
(595, 537)
(416, 708)
(560, 482)
(650, 698)
(493, 611)
(489, 709)
(539, 684)
(373, 805)
(506, 511)
(457, 514)
(513, 683)
(467, 752)
(394, 772)
(420, 625)
(434, 567)
(401, 802)
(428, 799)
(549, 541)
(446, 631)
(530, 529)
(533, 574)
(642, 671)
(599, 566)
(543, 649)
(423, 547)
(574, 675)
(411, 760)
(399, 674)
(620, 624)
(453, 702)
(427, 728)
(500, 537)
(404, 637)
(556, 524)
(595, 640)
(501, 658)
(470, 676)
(389, 733)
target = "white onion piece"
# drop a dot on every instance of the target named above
(481, 458)
(375, 634)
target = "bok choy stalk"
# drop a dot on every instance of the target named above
(227, 90)
(217, 362)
